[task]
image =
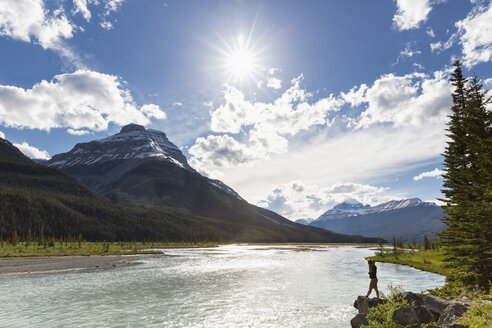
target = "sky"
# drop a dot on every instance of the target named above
(297, 105)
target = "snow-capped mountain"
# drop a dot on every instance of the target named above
(407, 218)
(396, 204)
(133, 142)
(348, 208)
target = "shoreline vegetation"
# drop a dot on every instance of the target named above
(85, 248)
(432, 257)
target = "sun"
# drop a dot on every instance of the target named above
(240, 59)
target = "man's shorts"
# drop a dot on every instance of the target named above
(374, 283)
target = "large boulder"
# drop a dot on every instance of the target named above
(452, 312)
(405, 316)
(412, 299)
(425, 315)
(436, 304)
(363, 304)
(358, 321)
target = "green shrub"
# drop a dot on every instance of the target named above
(380, 316)
(478, 316)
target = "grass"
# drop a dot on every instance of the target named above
(58, 248)
(479, 316)
(431, 260)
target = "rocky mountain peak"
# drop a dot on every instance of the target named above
(132, 127)
(133, 142)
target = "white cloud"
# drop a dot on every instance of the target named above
(81, 7)
(430, 32)
(32, 152)
(436, 173)
(362, 155)
(476, 35)
(408, 52)
(488, 83)
(273, 70)
(110, 6)
(355, 98)
(151, 110)
(222, 151)
(407, 100)
(77, 132)
(274, 83)
(440, 46)
(2, 135)
(297, 200)
(80, 100)
(411, 13)
(178, 104)
(107, 25)
(267, 124)
(29, 20)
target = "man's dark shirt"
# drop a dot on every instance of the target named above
(374, 271)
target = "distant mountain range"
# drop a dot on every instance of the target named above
(407, 218)
(149, 193)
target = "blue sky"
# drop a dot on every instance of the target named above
(297, 105)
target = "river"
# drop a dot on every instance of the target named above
(227, 286)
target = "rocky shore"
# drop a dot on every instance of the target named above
(433, 311)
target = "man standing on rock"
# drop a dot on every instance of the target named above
(373, 269)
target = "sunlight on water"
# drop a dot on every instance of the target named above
(228, 286)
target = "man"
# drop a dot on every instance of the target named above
(374, 279)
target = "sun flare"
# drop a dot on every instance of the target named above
(240, 60)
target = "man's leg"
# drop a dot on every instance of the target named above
(377, 292)
(369, 292)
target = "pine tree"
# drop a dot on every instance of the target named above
(467, 183)
(41, 239)
(29, 237)
(14, 240)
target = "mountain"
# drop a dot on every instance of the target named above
(346, 209)
(140, 166)
(305, 221)
(35, 197)
(407, 218)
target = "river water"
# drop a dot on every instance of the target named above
(227, 286)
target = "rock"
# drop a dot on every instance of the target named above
(436, 304)
(363, 304)
(412, 299)
(358, 321)
(405, 316)
(457, 325)
(453, 312)
(425, 315)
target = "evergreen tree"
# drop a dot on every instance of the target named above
(467, 183)
(41, 239)
(29, 237)
(14, 240)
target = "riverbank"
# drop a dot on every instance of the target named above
(430, 260)
(30, 265)
(478, 313)
(84, 248)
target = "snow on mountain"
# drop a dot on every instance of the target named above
(352, 207)
(396, 204)
(133, 142)
(346, 209)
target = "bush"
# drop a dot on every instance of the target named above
(381, 315)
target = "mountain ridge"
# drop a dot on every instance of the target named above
(406, 218)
